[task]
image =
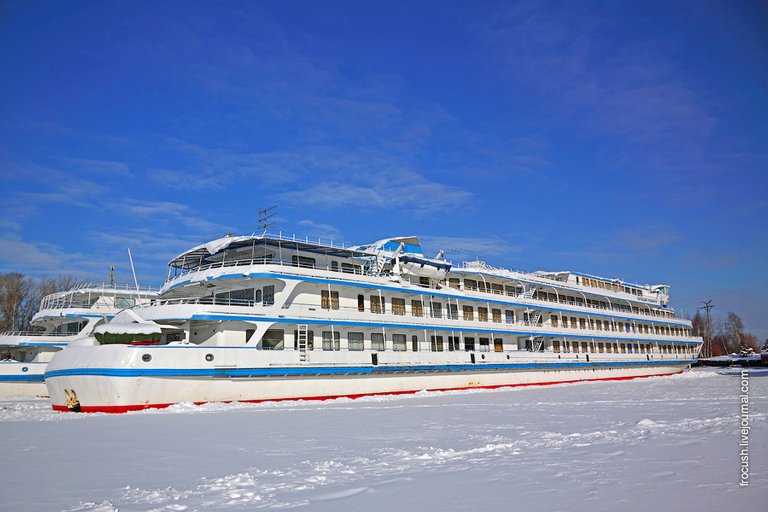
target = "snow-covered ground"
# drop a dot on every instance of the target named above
(666, 443)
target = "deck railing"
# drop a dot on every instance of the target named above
(386, 315)
(356, 270)
(35, 333)
(76, 296)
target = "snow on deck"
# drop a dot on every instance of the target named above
(661, 443)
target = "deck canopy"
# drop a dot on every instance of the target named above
(251, 247)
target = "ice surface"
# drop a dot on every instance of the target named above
(661, 443)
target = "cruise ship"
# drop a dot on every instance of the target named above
(276, 317)
(62, 317)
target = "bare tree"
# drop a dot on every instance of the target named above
(44, 286)
(734, 332)
(699, 325)
(15, 290)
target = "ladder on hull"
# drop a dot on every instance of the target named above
(302, 338)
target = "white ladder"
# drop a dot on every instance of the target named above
(302, 338)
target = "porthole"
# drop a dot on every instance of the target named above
(24, 369)
(507, 356)
(146, 358)
(209, 357)
(483, 356)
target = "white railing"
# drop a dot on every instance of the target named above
(293, 237)
(76, 297)
(342, 313)
(356, 270)
(35, 333)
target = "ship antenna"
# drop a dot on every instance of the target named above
(265, 217)
(133, 270)
(111, 275)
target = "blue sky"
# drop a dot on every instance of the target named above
(625, 139)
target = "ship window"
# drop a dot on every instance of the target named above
(485, 345)
(498, 344)
(257, 295)
(436, 343)
(470, 284)
(417, 308)
(556, 346)
(497, 289)
(273, 339)
(482, 314)
(70, 328)
(554, 320)
(454, 343)
(469, 313)
(437, 309)
(453, 283)
(398, 342)
(415, 343)
(378, 304)
(355, 340)
(329, 299)
(469, 344)
(269, 295)
(349, 268)
(124, 302)
(398, 306)
(249, 334)
(601, 347)
(509, 316)
(310, 340)
(241, 297)
(361, 303)
(496, 315)
(582, 323)
(331, 340)
(302, 261)
(453, 311)
(335, 266)
(377, 341)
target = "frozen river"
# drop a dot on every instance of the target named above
(666, 443)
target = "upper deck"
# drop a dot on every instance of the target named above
(374, 261)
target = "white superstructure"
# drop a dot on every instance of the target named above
(272, 317)
(62, 318)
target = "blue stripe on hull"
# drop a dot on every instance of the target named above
(22, 378)
(351, 370)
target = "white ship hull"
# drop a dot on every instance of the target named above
(22, 379)
(122, 381)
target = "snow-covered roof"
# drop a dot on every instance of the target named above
(128, 328)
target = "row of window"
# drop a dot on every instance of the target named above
(612, 325)
(597, 283)
(331, 340)
(274, 339)
(329, 299)
(498, 289)
(619, 348)
(247, 296)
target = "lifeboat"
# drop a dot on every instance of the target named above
(423, 267)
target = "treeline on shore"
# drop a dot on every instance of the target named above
(20, 297)
(728, 336)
